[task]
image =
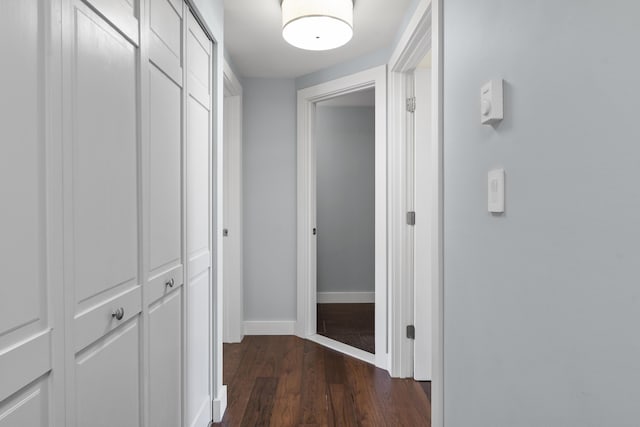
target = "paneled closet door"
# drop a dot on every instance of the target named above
(199, 220)
(103, 292)
(164, 295)
(27, 261)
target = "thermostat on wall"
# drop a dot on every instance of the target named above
(491, 103)
(496, 191)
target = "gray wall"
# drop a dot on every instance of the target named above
(345, 152)
(360, 63)
(269, 175)
(542, 304)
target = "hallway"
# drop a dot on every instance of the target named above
(287, 381)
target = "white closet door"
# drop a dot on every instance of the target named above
(163, 218)
(101, 214)
(25, 318)
(199, 219)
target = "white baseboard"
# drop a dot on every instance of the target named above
(346, 297)
(270, 327)
(220, 405)
(203, 417)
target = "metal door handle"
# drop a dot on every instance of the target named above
(118, 314)
(170, 283)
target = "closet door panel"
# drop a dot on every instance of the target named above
(165, 183)
(104, 160)
(121, 13)
(162, 284)
(22, 297)
(25, 328)
(29, 407)
(104, 296)
(199, 63)
(165, 361)
(107, 380)
(164, 291)
(198, 338)
(198, 222)
(165, 37)
(197, 178)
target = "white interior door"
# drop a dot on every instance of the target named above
(422, 237)
(27, 242)
(199, 219)
(232, 234)
(103, 292)
(163, 166)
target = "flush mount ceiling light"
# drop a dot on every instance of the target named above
(317, 24)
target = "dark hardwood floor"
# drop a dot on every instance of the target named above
(283, 381)
(352, 324)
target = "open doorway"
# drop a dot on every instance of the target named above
(345, 212)
(362, 85)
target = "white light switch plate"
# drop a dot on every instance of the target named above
(496, 191)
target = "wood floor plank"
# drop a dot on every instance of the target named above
(342, 406)
(340, 394)
(368, 400)
(232, 353)
(287, 403)
(260, 405)
(290, 382)
(314, 404)
(240, 386)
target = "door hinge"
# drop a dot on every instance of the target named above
(411, 218)
(411, 332)
(314, 231)
(225, 232)
(411, 104)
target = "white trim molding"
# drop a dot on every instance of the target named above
(219, 405)
(423, 33)
(232, 86)
(346, 297)
(307, 286)
(269, 327)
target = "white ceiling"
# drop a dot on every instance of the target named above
(253, 37)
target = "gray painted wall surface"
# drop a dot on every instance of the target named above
(346, 68)
(269, 175)
(345, 153)
(542, 304)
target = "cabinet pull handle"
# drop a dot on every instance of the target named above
(170, 283)
(118, 314)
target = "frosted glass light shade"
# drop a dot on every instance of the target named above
(317, 24)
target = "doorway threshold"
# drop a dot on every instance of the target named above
(343, 348)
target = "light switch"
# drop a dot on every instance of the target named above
(496, 191)
(491, 102)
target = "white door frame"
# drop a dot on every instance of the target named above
(423, 32)
(217, 390)
(307, 258)
(233, 312)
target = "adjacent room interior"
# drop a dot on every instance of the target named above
(345, 210)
